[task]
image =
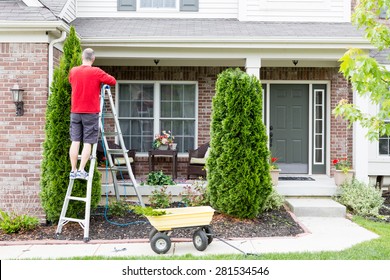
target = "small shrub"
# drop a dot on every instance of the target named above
(195, 195)
(274, 201)
(361, 199)
(158, 178)
(160, 198)
(13, 223)
(119, 208)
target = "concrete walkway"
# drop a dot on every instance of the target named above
(322, 234)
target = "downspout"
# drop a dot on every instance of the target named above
(51, 56)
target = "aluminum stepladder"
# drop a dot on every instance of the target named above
(84, 223)
(112, 154)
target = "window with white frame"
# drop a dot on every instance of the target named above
(157, 4)
(319, 125)
(147, 108)
(384, 143)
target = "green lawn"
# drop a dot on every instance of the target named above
(377, 249)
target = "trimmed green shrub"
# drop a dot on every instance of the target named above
(13, 223)
(238, 165)
(360, 199)
(56, 164)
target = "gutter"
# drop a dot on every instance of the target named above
(51, 57)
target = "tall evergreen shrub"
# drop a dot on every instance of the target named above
(238, 166)
(56, 163)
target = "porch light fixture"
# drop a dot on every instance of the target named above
(295, 62)
(156, 61)
(17, 97)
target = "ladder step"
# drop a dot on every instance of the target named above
(110, 133)
(73, 220)
(77, 198)
(117, 151)
(108, 116)
(119, 168)
(126, 184)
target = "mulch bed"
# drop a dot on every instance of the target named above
(276, 223)
(131, 226)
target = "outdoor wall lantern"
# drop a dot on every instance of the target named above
(17, 96)
(295, 62)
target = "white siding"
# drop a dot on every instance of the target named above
(207, 9)
(299, 10)
(68, 12)
(249, 10)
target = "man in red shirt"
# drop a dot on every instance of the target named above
(86, 81)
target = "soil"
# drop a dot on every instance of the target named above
(275, 223)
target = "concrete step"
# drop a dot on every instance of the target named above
(307, 191)
(315, 207)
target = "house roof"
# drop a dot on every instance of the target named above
(19, 11)
(54, 5)
(381, 56)
(136, 27)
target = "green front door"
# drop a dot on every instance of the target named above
(289, 126)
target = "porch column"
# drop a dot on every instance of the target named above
(360, 142)
(252, 65)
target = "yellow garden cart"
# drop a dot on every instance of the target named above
(198, 217)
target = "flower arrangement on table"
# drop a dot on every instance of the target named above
(273, 163)
(165, 138)
(342, 164)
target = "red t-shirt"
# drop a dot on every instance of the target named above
(86, 81)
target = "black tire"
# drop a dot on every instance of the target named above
(152, 233)
(210, 234)
(160, 243)
(200, 240)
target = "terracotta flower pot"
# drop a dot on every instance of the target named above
(340, 177)
(275, 176)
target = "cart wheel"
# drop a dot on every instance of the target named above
(160, 243)
(152, 233)
(209, 233)
(200, 240)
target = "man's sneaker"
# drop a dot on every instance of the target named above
(81, 174)
(72, 175)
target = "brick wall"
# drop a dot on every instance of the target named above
(341, 136)
(21, 137)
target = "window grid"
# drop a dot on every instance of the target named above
(141, 113)
(157, 4)
(384, 144)
(319, 125)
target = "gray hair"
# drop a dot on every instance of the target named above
(89, 54)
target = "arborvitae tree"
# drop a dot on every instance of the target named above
(238, 166)
(56, 163)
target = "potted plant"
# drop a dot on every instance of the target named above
(343, 170)
(274, 170)
(163, 141)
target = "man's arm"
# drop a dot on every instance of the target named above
(106, 78)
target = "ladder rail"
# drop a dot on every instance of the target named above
(112, 164)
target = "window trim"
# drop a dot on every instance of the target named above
(157, 109)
